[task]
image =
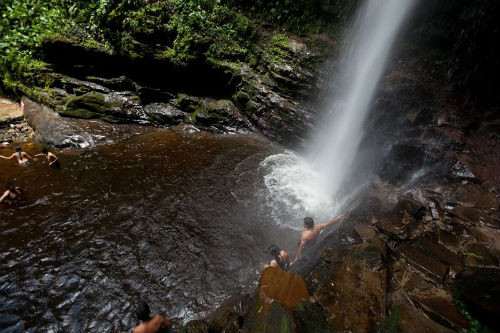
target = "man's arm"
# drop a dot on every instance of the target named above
(167, 323)
(55, 159)
(28, 156)
(299, 251)
(5, 194)
(328, 223)
(8, 158)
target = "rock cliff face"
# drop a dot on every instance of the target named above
(220, 96)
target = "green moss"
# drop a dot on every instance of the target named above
(80, 113)
(475, 325)
(474, 255)
(89, 105)
(390, 323)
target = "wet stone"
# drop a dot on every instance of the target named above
(479, 254)
(439, 306)
(427, 265)
(351, 287)
(391, 228)
(461, 171)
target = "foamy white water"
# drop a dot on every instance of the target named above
(295, 190)
(364, 57)
(298, 188)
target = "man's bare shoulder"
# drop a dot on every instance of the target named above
(307, 235)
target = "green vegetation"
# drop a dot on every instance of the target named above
(180, 32)
(475, 325)
(23, 26)
(390, 323)
(297, 16)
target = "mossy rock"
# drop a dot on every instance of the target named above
(89, 105)
(309, 318)
(80, 113)
(276, 320)
(186, 103)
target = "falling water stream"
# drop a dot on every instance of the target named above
(310, 184)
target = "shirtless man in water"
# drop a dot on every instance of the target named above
(151, 325)
(51, 158)
(22, 156)
(311, 233)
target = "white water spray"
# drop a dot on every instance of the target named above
(313, 188)
(364, 58)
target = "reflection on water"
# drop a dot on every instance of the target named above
(170, 217)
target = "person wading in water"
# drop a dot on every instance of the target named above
(11, 194)
(311, 233)
(280, 258)
(151, 325)
(51, 157)
(22, 157)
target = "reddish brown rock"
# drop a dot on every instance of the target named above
(351, 287)
(480, 254)
(365, 232)
(285, 288)
(439, 306)
(393, 229)
(431, 267)
(412, 320)
(430, 245)
(282, 306)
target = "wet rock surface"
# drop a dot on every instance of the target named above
(271, 98)
(53, 130)
(13, 127)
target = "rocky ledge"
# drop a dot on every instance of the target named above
(13, 127)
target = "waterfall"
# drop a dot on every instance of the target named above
(363, 60)
(309, 186)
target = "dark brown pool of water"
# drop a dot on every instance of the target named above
(168, 217)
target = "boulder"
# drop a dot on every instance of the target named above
(230, 315)
(164, 113)
(282, 305)
(53, 130)
(391, 228)
(439, 306)
(429, 266)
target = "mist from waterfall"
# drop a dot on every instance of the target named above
(363, 59)
(309, 185)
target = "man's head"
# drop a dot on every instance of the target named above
(308, 222)
(45, 151)
(9, 186)
(143, 311)
(18, 149)
(274, 250)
